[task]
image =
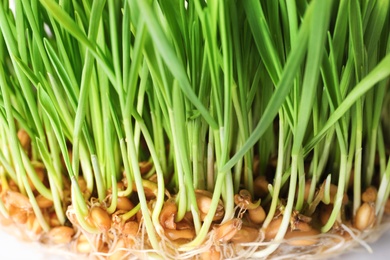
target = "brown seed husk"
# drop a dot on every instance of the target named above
(17, 200)
(203, 200)
(149, 187)
(145, 166)
(257, 215)
(168, 213)
(243, 199)
(272, 229)
(100, 218)
(227, 230)
(370, 194)
(44, 202)
(18, 215)
(61, 235)
(365, 216)
(124, 203)
(301, 226)
(246, 235)
(130, 228)
(173, 234)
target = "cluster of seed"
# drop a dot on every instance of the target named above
(21, 214)
(118, 232)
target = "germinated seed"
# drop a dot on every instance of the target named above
(300, 226)
(174, 234)
(150, 188)
(130, 228)
(61, 235)
(203, 200)
(246, 235)
(273, 228)
(257, 215)
(145, 166)
(17, 200)
(227, 230)
(44, 202)
(184, 224)
(18, 215)
(365, 216)
(300, 222)
(100, 218)
(168, 213)
(243, 199)
(370, 194)
(124, 203)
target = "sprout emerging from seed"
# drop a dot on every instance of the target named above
(244, 200)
